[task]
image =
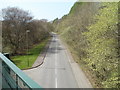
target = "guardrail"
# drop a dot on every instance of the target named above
(13, 77)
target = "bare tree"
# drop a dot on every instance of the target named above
(14, 27)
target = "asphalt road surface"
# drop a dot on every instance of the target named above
(56, 71)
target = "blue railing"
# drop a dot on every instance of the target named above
(13, 77)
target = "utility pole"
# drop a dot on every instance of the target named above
(27, 32)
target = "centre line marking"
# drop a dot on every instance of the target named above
(56, 84)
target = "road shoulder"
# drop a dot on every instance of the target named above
(80, 77)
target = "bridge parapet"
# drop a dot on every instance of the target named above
(13, 77)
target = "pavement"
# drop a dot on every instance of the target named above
(58, 69)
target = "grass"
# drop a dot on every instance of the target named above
(22, 60)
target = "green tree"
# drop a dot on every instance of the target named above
(103, 45)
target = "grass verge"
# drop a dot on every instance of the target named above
(22, 60)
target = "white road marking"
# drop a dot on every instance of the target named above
(56, 84)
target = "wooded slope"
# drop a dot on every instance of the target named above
(90, 30)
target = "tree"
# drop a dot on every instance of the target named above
(103, 45)
(16, 22)
(14, 27)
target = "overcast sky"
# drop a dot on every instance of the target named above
(41, 9)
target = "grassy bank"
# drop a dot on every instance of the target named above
(22, 60)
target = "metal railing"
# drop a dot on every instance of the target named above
(13, 77)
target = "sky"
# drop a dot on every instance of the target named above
(41, 9)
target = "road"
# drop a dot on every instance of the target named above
(56, 71)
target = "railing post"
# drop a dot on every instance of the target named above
(16, 82)
(0, 74)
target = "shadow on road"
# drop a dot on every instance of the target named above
(54, 50)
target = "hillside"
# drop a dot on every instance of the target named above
(90, 31)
